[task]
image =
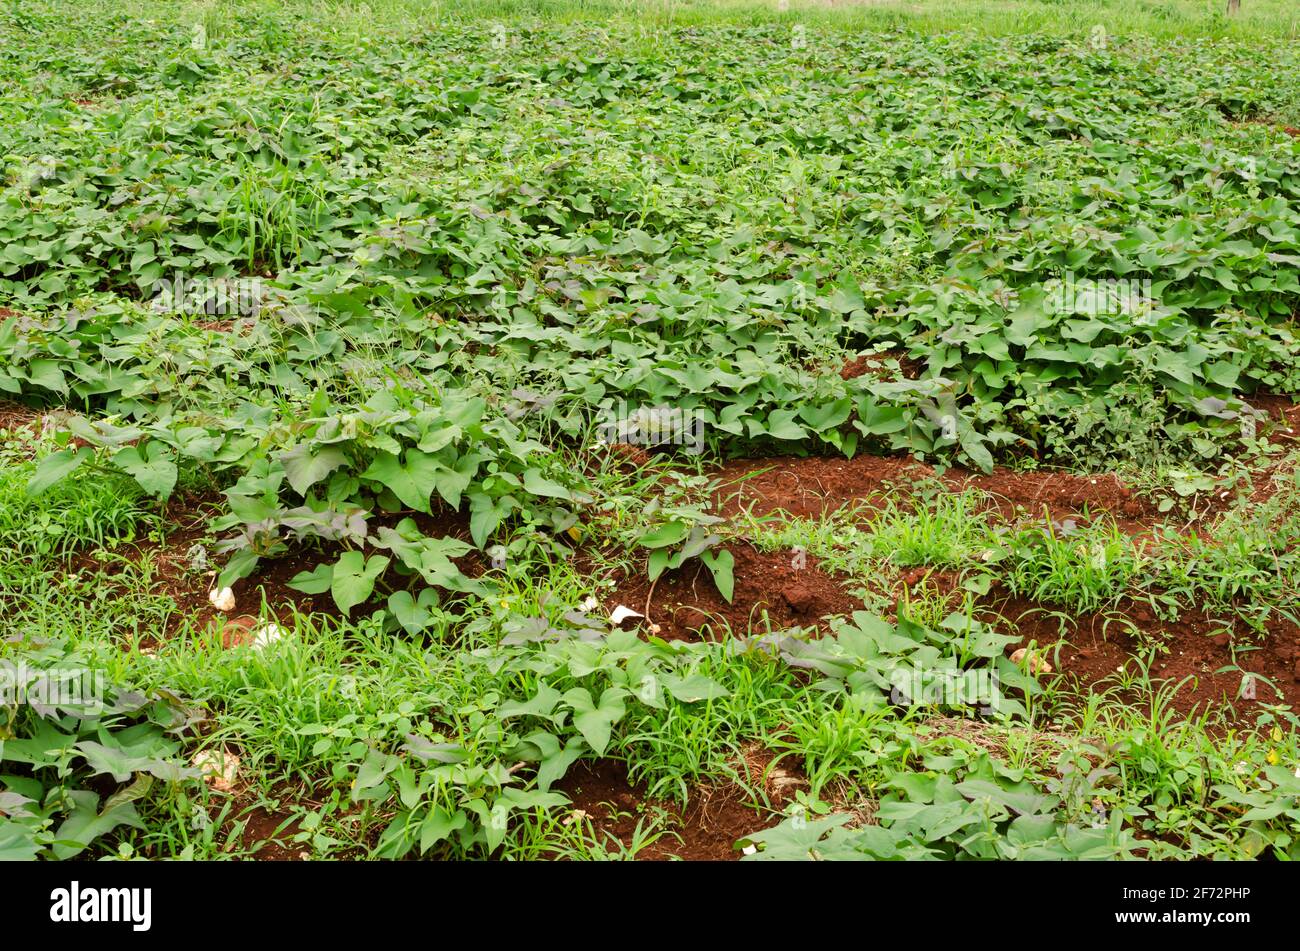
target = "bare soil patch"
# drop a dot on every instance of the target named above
(177, 577)
(815, 486)
(877, 364)
(1284, 417)
(272, 829)
(707, 828)
(189, 588)
(785, 587)
(1196, 645)
(15, 416)
(1058, 495)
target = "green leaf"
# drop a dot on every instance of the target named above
(800, 840)
(86, 823)
(55, 466)
(17, 842)
(537, 484)
(412, 613)
(412, 482)
(150, 465)
(554, 766)
(827, 415)
(47, 374)
(541, 705)
(880, 420)
(781, 425)
(241, 564)
(438, 825)
(658, 561)
(669, 533)
(303, 469)
(120, 760)
(485, 514)
(316, 581)
(595, 721)
(722, 565)
(1023, 799)
(695, 688)
(353, 578)
(431, 557)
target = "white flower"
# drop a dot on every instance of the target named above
(266, 635)
(223, 600)
(621, 614)
(219, 767)
(1037, 664)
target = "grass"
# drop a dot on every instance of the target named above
(92, 512)
(1173, 19)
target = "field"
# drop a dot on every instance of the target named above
(610, 431)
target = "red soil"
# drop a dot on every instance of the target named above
(1061, 494)
(786, 587)
(814, 486)
(1196, 645)
(877, 364)
(15, 416)
(1284, 417)
(189, 589)
(268, 833)
(707, 828)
